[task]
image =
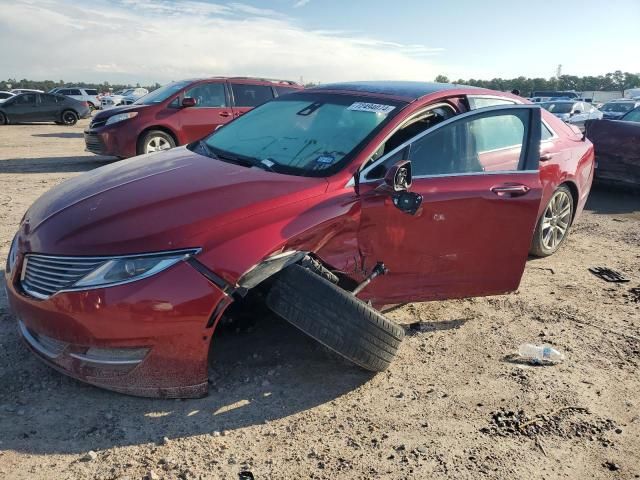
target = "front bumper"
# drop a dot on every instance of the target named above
(110, 141)
(152, 335)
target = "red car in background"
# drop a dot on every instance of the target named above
(178, 113)
(327, 203)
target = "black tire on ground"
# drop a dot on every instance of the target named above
(3, 119)
(69, 117)
(158, 138)
(335, 318)
(538, 247)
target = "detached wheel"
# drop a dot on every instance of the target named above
(155, 141)
(3, 119)
(69, 117)
(553, 226)
(335, 318)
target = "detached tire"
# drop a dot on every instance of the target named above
(335, 318)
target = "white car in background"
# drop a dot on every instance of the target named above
(572, 112)
(89, 95)
(5, 95)
(17, 91)
(123, 97)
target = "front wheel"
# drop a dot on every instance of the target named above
(69, 117)
(155, 141)
(3, 119)
(553, 226)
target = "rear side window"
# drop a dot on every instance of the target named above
(47, 99)
(280, 91)
(91, 91)
(251, 95)
(208, 95)
(545, 133)
(482, 102)
(74, 91)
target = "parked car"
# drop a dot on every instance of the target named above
(319, 201)
(554, 94)
(616, 109)
(117, 98)
(42, 107)
(617, 146)
(178, 113)
(575, 113)
(16, 91)
(89, 95)
(5, 95)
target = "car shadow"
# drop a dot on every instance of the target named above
(59, 135)
(609, 199)
(257, 375)
(53, 164)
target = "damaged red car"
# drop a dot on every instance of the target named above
(327, 205)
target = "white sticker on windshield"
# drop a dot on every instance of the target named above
(371, 107)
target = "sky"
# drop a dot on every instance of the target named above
(148, 41)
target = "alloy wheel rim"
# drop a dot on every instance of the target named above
(68, 118)
(555, 221)
(155, 144)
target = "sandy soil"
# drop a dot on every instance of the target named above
(280, 406)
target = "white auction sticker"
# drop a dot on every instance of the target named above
(371, 107)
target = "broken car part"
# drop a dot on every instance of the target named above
(609, 275)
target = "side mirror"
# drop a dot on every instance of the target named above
(577, 112)
(398, 177)
(188, 102)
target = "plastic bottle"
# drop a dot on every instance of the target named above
(540, 353)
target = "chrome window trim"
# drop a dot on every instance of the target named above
(470, 113)
(469, 174)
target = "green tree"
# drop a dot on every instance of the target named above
(442, 79)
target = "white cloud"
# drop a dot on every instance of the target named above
(300, 3)
(146, 41)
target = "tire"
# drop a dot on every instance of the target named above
(155, 141)
(69, 118)
(555, 220)
(3, 119)
(335, 318)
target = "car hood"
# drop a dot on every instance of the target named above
(161, 201)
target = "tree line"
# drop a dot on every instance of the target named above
(618, 81)
(46, 85)
(613, 81)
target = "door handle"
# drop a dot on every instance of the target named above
(510, 190)
(545, 157)
(225, 114)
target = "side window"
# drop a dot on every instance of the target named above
(414, 127)
(26, 99)
(482, 102)
(545, 133)
(208, 95)
(251, 95)
(74, 91)
(91, 91)
(63, 91)
(280, 91)
(47, 99)
(491, 142)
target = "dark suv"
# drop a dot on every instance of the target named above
(178, 113)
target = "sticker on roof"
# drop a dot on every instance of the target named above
(371, 107)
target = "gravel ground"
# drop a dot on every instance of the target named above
(455, 403)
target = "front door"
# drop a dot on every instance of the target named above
(49, 107)
(210, 111)
(479, 180)
(23, 108)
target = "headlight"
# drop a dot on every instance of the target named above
(13, 255)
(130, 268)
(120, 117)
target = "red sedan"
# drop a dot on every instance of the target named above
(327, 202)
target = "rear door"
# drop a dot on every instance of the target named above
(49, 107)
(211, 110)
(478, 176)
(247, 96)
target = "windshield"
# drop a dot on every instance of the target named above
(557, 107)
(303, 134)
(619, 107)
(161, 94)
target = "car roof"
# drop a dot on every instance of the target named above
(405, 89)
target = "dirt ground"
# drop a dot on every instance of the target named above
(454, 404)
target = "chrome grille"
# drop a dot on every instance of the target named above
(44, 275)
